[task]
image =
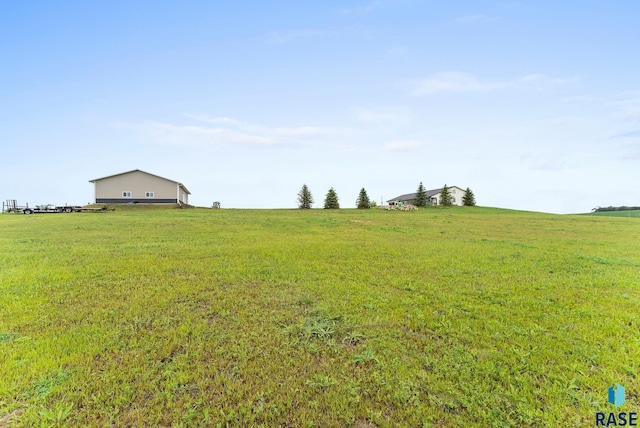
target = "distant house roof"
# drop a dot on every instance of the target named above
(145, 172)
(412, 196)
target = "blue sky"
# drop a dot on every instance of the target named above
(532, 104)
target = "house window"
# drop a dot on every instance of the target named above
(126, 194)
(453, 200)
(148, 194)
(453, 191)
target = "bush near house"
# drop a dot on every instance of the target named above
(445, 197)
(421, 199)
(469, 199)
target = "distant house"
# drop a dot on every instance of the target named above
(139, 187)
(433, 196)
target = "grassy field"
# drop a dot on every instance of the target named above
(440, 317)
(626, 213)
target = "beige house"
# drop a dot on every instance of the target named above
(139, 187)
(433, 196)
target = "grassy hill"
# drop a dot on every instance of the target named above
(461, 316)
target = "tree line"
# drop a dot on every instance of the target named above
(305, 198)
(605, 209)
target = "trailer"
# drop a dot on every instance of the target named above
(11, 206)
(50, 209)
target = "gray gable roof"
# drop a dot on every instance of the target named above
(411, 196)
(144, 172)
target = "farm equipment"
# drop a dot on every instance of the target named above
(51, 209)
(11, 206)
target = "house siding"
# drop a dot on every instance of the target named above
(456, 193)
(110, 189)
(184, 197)
(433, 198)
(135, 201)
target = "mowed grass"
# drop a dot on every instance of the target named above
(625, 213)
(440, 317)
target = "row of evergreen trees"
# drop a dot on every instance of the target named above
(305, 199)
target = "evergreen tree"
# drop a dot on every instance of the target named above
(468, 200)
(331, 200)
(305, 200)
(421, 197)
(445, 197)
(363, 200)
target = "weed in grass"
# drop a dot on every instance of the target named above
(42, 387)
(319, 326)
(57, 416)
(306, 301)
(314, 348)
(365, 356)
(320, 381)
(353, 338)
(8, 337)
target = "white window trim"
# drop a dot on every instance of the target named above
(126, 194)
(149, 194)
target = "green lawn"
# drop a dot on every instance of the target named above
(626, 213)
(443, 317)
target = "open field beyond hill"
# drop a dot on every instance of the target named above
(625, 213)
(447, 317)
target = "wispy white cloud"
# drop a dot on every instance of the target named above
(277, 132)
(626, 113)
(632, 113)
(625, 106)
(632, 134)
(386, 115)
(631, 156)
(549, 162)
(453, 81)
(627, 101)
(540, 81)
(458, 82)
(214, 120)
(229, 131)
(582, 99)
(402, 146)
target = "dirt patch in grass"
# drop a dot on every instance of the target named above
(4, 420)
